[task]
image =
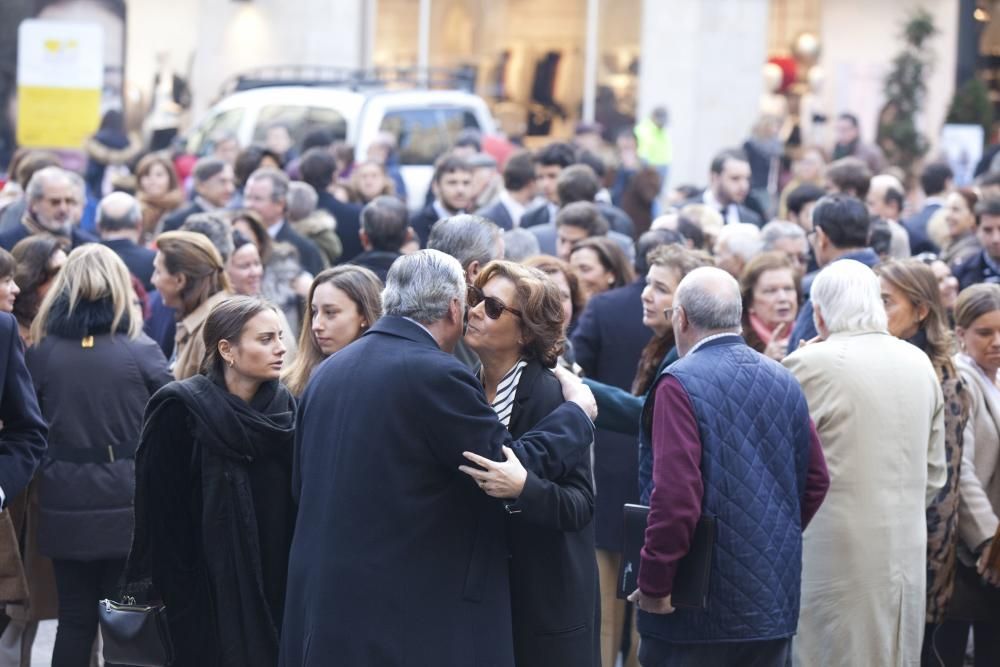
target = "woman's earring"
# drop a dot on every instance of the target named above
(231, 362)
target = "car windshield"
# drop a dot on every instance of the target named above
(300, 121)
(423, 134)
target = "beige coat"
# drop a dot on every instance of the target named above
(979, 482)
(189, 348)
(878, 408)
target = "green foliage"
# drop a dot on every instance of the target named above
(905, 90)
(971, 105)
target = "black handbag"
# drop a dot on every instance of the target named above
(135, 634)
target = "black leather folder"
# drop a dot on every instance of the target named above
(691, 582)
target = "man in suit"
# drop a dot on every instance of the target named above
(318, 168)
(608, 341)
(697, 435)
(729, 187)
(452, 189)
(412, 567)
(984, 266)
(517, 195)
(53, 207)
(384, 229)
(549, 164)
(214, 186)
(266, 192)
(935, 180)
(22, 439)
(119, 222)
(474, 242)
(840, 231)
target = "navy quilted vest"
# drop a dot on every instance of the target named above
(754, 426)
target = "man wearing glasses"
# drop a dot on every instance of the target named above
(53, 207)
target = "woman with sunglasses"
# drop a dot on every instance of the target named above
(516, 327)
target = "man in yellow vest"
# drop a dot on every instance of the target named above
(655, 147)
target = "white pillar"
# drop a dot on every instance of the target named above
(702, 60)
(424, 35)
(590, 61)
(369, 26)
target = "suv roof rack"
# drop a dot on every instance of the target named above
(460, 78)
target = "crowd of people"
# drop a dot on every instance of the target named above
(321, 428)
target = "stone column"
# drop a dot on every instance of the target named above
(702, 60)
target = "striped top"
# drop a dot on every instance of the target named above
(503, 404)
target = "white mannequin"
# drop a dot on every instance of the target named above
(814, 133)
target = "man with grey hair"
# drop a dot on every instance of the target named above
(879, 408)
(119, 222)
(788, 238)
(266, 192)
(726, 435)
(53, 208)
(214, 186)
(736, 245)
(474, 242)
(398, 557)
(312, 223)
(519, 244)
(385, 228)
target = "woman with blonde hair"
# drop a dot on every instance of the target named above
(343, 303)
(93, 371)
(190, 276)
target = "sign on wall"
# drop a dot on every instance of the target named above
(60, 74)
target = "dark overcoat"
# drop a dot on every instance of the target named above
(553, 569)
(608, 342)
(398, 558)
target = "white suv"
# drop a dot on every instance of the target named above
(425, 122)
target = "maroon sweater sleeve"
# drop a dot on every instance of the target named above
(817, 477)
(675, 504)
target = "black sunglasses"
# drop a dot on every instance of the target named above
(494, 307)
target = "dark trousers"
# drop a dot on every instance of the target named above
(944, 644)
(772, 653)
(80, 586)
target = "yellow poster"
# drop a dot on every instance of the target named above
(60, 73)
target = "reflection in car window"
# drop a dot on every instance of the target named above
(422, 134)
(300, 121)
(227, 122)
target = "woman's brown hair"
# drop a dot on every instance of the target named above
(227, 321)
(260, 236)
(683, 261)
(755, 268)
(611, 256)
(148, 162)
(917, 282)
(193, 255)
(540, 304)
(552, 265)
(362, 287)
(973, 302)
(32, 256)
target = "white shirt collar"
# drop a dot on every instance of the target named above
(410, 319)
(275, 229)
(441, 211)
(514, 208)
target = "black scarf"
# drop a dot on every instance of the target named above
(89, 318)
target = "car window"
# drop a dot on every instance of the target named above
(423, 134)
(227, 122)
(300, 120)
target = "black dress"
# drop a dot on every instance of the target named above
(214, 519)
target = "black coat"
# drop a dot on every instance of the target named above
(310, 258)
(608, 342)
(553, 570)
(378, 261)
(10, 237)
(92, 394)
(399, 558)
(22, 437)
(498, 214)
(975, 270)
(137, 258)
(348, 217)
(423, 221)
(214, 519)
(173, 222)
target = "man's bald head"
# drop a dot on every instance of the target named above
(118, 213)
(708, 300)
(885, 197)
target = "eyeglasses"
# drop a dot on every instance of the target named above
(494, 307)
(668, 313)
